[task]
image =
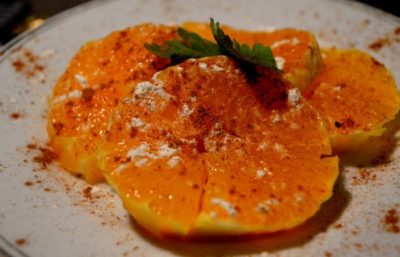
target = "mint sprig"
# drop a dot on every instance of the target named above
(258, 54)
(192, 45)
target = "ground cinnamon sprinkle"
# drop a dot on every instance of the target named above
(378, 44)
(46, 157)
(20, 241)
(28, 64)
(18, 65)
(87, 192)
(339, 225)
(28, 183)
(391, 221)
(15, 115)
(31, 146)
(363, 177)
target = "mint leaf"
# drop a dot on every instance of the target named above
(191, 45)
(258, 54)
(198, 43)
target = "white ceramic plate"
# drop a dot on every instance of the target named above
(45, 212)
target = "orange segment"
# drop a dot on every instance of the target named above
(90, 88)
(151, 157)
(355, 94)
(161, 194)
(296, 50)
(265, 156)
(202, 127)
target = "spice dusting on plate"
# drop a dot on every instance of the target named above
(379, 43)
(21, 242)
(15, 115)
(364, 176)
(338, 226)
(31, 146)
(29, 65)
(28, 183)
(46, 157)
(87, 193)
(392, 221)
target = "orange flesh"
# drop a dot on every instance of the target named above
(355, 94)
(106, 68)
(228, 133)
(110, 65)
(298, 48)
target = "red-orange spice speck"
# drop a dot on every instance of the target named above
(21, 241)
(397, 31)
(87, 192)
(31, 146)
(391, 221)
(378, 44)
(339, 225)
(18, 65)
(46, 157)
(28, 183)
(15, 115)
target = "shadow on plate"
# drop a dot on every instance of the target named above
(326, 216)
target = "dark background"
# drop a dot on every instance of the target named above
(19, 15)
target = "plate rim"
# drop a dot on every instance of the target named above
(8, 48)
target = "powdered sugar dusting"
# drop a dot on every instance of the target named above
(281, 150)
(173, 161)
(294, 96)
(216, 68)
(81, 80)
(280, 62)
(144, 88)
(141, 154)
(166, 151)
(138, 123)
(260, 173)
(141, 151)
(292, 41)
(74, 94)
(275, 118)
(203, 65)
(227, 206)
(265, 207)
(186, 111)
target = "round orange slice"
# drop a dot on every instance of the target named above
(203, 149)
(356, 95)
(296, 51)
(85, 95)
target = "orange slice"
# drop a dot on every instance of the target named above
(296, 51)
(356, 95)
(199, 150)
(90, 88)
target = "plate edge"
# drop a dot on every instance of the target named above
(47, 24)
